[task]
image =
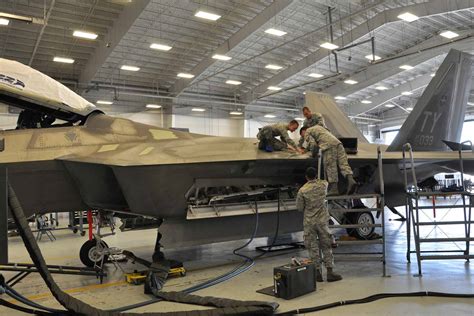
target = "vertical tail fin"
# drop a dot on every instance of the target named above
(439, 113)
(337, 122)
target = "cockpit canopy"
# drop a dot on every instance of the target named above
(42, 98)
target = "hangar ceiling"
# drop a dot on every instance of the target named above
(126, 29)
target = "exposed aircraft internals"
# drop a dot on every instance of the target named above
(231, 158)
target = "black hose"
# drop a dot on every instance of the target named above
(20, 298)
(373, 298)
(24, 309)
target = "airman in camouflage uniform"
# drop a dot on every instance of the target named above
(308, 144)
(267, 134)
(310, 121)
(311, 200)
(334, 156)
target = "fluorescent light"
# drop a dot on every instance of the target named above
(433, 74)
(381, 88)
(449, 34)
(372, 125)
(207, 15)
(407, 16)
(84, 34)
(350, 81)
(369, 57)
(104, 102)
(221, 57)
(4, 21)
(275, 32)
(153, 106)
(410, 109)
(470, 103)
(198, 109)
(340, 97)
(407, 93)
(233, 82)
(274, 67)
(273, 88)
(235, 113)
(315, 75)
(160, 47)
(389, 105)
(406, 67)
(328, 45)
(63, 60)
(304, 92)
(184, 75)
(270, 116)
(366, 101)
(129, 68)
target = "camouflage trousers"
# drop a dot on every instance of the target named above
(335, 157)
(265, 137)
(316, 236)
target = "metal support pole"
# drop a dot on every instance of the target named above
(381, 206)
(3, 215)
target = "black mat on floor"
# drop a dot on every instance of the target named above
(267, 291)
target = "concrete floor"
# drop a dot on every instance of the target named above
(360, 278)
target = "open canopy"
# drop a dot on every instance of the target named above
(32, 88)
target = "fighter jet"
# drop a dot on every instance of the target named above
(200, 188)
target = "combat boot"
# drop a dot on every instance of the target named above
(351, 184)
(319, 276)
(333, 189)
(331, 276)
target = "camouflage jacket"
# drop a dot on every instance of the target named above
(311, 200)
(279, 129)
(324, 139)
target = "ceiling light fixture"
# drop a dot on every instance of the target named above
(389, 105)
(407, 93)
(329, 46)
(198, 110)
(129, 68)
(4, 21)
(275, 32)
(184, 75)
(86, 35)
(273, 67)
(233, 82)
(406, 67)
(449, 34)
(409, 109)
(207, 15)
(153, 106)
(221, 57)
(104, 102)
(160, 47)
(370, 57)
(315, 75)
(63, 60)
(433, 74)
(270, 116)
(273, 88)
(340, 97)
(350, 81)
(235, 113)
(407, 16)
(381, 88)
(366, 102)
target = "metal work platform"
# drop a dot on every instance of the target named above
(432, 248)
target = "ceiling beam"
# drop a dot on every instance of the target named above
(248, 29)
(430, 8)
(415, 55)
(121, 26)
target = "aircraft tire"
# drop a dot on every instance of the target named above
(88, 255)
(361, 233)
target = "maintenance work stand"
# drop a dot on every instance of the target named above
(415, 209)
